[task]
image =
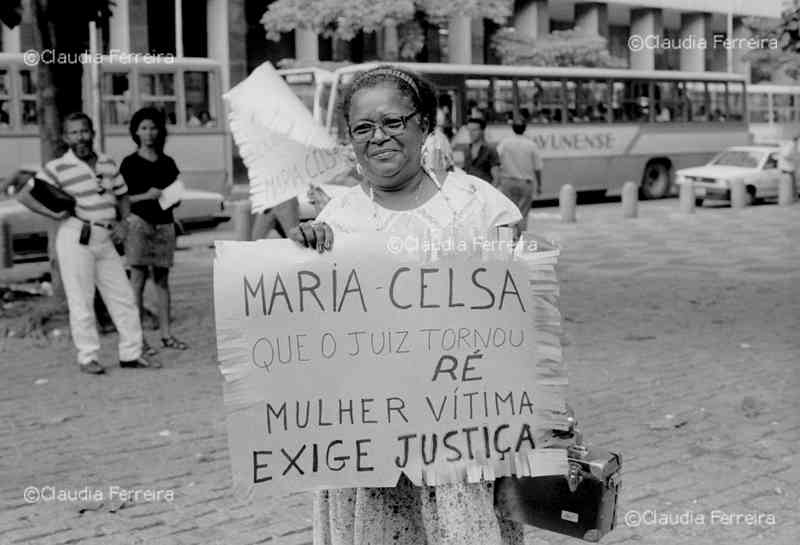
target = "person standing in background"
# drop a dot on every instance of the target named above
(481, 159)
(85, 245)
(520, 170)
(150, 244)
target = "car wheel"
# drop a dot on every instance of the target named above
(655, 181)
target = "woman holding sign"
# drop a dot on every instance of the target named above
(390, 112)
(151, 238)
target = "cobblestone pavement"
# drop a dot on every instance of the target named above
(682, 343)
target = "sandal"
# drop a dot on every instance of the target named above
(147, 350)
(172, 342)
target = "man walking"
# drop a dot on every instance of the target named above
(520, 168)
(85, 244)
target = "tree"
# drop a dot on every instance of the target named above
(344, 18)
(559, 48)
(780, 45)
(61, 27)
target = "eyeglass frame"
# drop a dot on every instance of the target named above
(404, 119)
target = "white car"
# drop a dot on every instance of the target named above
(757, 166)
(28, 230)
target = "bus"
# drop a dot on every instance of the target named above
(187, 90)
(312, 86)
(774, 111)
(595, 128)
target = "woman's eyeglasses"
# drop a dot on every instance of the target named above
(391, 125)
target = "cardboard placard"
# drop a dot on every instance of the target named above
(347, 368)
(284, 149)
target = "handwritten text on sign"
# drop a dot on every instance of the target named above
(344, 369)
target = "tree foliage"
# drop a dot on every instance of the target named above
(768, 62)
(344, 18)
(559, 48)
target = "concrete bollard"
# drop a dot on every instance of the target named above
(630, 200)
(566, 203)
(242, 219)
(786, 191)
(686, 196)
(738, 194)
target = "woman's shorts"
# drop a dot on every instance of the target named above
(149, 245)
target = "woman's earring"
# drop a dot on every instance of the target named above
(359, 169)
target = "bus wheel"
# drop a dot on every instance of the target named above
(655, 182)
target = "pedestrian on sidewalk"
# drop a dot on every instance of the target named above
(390, 112)
(150, 244)
(520, 170)
(85, 244)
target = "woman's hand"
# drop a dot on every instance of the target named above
(317, 235)
(154, 193)
(317, 197)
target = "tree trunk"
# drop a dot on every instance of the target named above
(59, 93)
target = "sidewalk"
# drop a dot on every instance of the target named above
(682, 345)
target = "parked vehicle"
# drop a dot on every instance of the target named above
(757, 166)
(28, 230)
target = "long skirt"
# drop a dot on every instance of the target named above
(451, 514)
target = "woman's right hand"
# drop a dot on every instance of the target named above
(317, 235)
(154, 193)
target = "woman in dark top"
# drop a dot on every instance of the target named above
(151, 237)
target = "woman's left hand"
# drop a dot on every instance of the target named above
(317, 235)
(154, 193)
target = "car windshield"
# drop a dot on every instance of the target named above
(738, 158)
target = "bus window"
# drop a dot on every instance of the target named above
(503, 101)
(587, 101)
(630, 101)
(717, 105)
(783, 107)
(696, 93)
(5, 102)
(302, 85)
(667, 101)
(158, 91)
(541, 99)
(759, 107)
(115, 87)
(197, 90)
(324, 99)
(477, 98)
(28, 99)
(736, 101)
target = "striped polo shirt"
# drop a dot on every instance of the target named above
(95, 191)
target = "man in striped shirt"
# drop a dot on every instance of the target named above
(101, 198)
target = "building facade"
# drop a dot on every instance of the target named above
(230, 32)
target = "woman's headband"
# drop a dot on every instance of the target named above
(397, 74)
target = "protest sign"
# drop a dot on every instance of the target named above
(347, 368)
(282, 146)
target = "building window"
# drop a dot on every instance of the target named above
(161, 26)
